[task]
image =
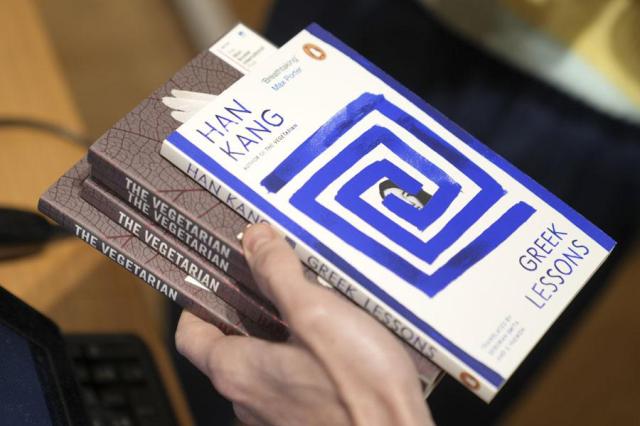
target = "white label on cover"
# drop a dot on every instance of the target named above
(242, 48)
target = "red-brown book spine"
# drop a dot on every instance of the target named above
(212, 240)
(62, 203)
(246, 301)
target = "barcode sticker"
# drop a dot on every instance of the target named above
(242, 48)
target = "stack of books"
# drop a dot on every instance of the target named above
(463, 257)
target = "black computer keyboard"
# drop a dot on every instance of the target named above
(119, 382)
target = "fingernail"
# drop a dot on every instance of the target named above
(255, 237)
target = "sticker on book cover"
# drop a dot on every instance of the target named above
(242, 48)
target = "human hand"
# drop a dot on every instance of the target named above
(339, 367)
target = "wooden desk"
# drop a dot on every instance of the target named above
(70, 283)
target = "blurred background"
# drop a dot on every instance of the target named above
(552, 85)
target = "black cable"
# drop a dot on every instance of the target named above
(22, 231)
(45, 126)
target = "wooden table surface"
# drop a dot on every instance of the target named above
(67, 281)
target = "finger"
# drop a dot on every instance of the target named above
(195, 339)
(275, 267)
(315, 312)
(354, 349)
(228, 361)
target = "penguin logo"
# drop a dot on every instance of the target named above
(314, 51)
(470, 381)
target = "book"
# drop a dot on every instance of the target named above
(254, 306)
(127, 158)
(441, 239)
(62, 203)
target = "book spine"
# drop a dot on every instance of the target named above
(225, 255)
(197, 300)
(351, 289)
(255, 307)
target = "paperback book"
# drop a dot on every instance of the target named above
(446, 243)
(62, 203)
(127, 157)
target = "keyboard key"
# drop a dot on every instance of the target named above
(109, 351)
(74, 351)
(89, 396)
(104, 374)
(95, 351)
(132, 373)
(150, 421)
(98, 418)
(144, 410)
(143, 403)
(82, 373)
(120, 419)
(112, 398)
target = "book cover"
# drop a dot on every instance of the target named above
(127, 157)
(445, 242)
(62, 203)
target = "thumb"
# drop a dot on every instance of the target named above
(275, 266)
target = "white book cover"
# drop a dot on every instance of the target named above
(445, 242)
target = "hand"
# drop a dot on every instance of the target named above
(340, 366)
